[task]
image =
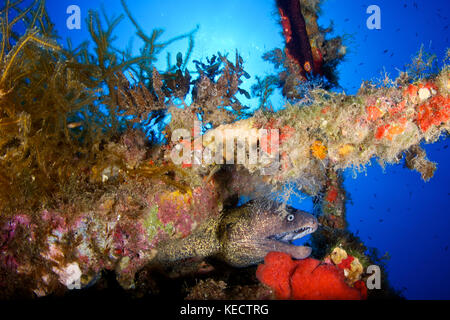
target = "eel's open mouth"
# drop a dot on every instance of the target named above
(288, 237)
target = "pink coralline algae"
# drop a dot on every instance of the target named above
(55, 220)
(175, 209)
(185, 211)
(130, 239)
(205, 202)
(7, 234)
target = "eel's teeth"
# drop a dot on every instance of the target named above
(301, 233)
(287, 237)
(297, 236)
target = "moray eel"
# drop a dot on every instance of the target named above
(243, 236)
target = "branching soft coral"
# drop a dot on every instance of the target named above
(53, 125)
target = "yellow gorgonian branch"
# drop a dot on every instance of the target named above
(30, 37)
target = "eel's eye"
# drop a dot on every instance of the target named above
(290, 217)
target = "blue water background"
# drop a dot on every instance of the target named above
(391, 209)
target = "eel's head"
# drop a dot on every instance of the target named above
(252, 231)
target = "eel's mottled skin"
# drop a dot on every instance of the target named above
(244, 235)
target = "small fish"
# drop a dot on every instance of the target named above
(371, 208)
(381, 220)
(446, 248)
(374, 195)
(347, 19)
(385, 51)
(404, 6)
(361, 64)
(398, 29)
(392, 54)
(415, 5)
(74, 125)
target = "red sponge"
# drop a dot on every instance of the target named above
(306, 279)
